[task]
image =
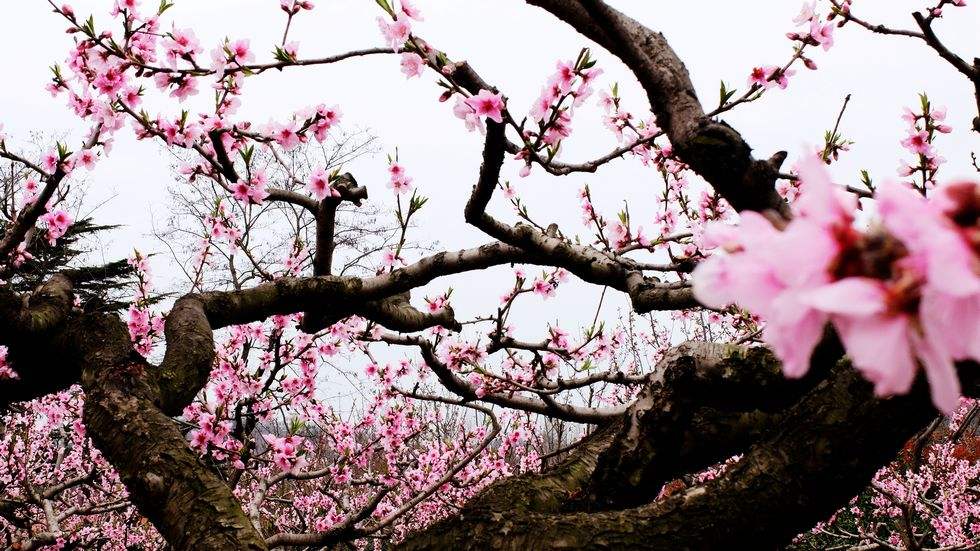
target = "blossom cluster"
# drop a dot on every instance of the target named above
(923, 128)
(44, 451)
(928, 489)
(398, 180)
(816, 30)
(566, 89)
(145, 327)
(6, 372)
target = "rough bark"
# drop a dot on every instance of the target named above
(824, 451)
(125, 399)
(35, 323)
(186, 501)
(711, 402)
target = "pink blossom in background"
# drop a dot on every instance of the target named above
(412, 64)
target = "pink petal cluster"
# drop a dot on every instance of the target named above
(286, 451)
(253, 190)
(904, 292)
(399, 180)
(6, 372)
(922, 131)
(473, 109)
(58, 222)
(144, 326)
(546, 285)
(396, 32)
(767, 77)
(412, 64)
(319, 184)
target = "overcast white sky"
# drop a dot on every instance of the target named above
(515, 47)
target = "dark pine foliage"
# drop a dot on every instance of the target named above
(103, 287)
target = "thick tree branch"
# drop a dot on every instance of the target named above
(186, 501)
(712, 149)
(29, 324)
(802, 471)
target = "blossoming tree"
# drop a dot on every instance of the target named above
(825, 324)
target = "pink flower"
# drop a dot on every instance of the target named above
(57, 222)
(240, 192)
(186, 87)
(409, 9)
(935, 244)
(20, 255)
(395, 32)
(128, 5)
(252, 191)
(464, 111)
(767, 77)
(399, 181)
(916, 297)
(822, 34)
(782, 77)
(883, 342)
(86, 158)
(759, 77)
(240, 52)
(292, 7)
(918, 142)
(131, 96)
(436, 304)
(412, 64)
(487, 104)
(558, 338)
(390, 259)
(286, 451)
(619, 233)
(285, 134)
(401, 186)
(768, 269)
(326, 117)
(49, 161)
(109, 80)
(807, 13)
(181, 44)
(560, 129)
(563, 77)
(542, 105)
(319, 185)
(544, 288)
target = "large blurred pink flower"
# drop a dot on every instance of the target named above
(899, 294)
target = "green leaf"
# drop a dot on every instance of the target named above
(247, 154)
(725, 94)
(386, 7)
(866, 179)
